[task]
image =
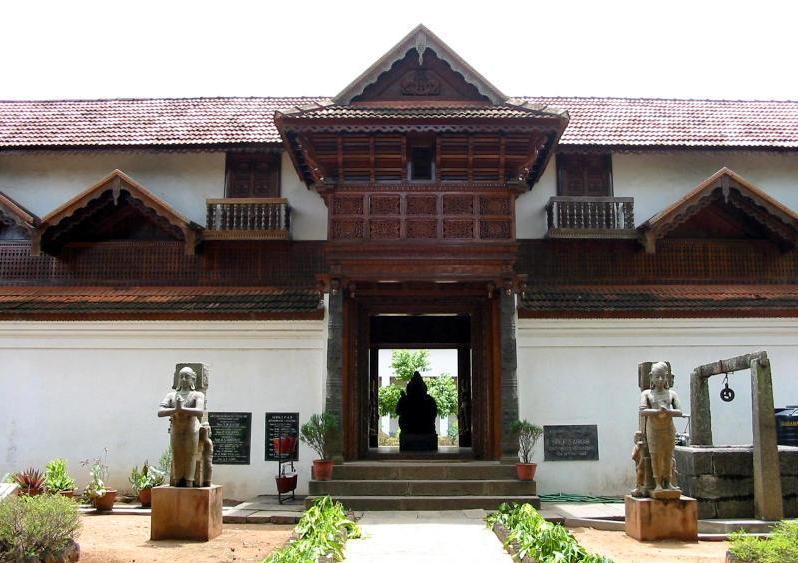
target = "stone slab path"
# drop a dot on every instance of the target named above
(424, 536)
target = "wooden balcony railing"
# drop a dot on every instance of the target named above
(252, 218)
(591, 217)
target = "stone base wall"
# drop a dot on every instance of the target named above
(722, 479)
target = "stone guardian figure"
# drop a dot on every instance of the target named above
(186, 407)
(658, 406)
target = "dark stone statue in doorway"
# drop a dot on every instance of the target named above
(417, 411)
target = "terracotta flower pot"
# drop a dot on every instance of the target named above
(68, 494)
(145, 497)
(323, 469)
(526, 471)
(106, 501)
(285, 483)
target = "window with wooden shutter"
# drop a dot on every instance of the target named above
(253, 175)
(584, 175)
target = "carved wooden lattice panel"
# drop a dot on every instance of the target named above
(421, 213)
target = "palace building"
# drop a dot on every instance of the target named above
(555, 243)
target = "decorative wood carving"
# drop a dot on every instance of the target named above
(103, 210)
(458, 204)
(348, 205)
(16, 222)
(422, 204)
(347, 229)
(422, 229)
(384, 229)
(384, 205)
(724, 188)
(495, 230)
(457, 229)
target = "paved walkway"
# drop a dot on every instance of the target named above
(409, 536)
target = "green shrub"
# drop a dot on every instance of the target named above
(322, 531)
(781, 547)
(147, 478)
(320, 432)
(35, 527)
(57, 478)
(530, 535)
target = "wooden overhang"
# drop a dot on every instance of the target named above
(729, 189)
(117, 185)
(14, 215)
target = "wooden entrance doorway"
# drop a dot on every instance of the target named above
(460, 316)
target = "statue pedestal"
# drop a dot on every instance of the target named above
(418, 442)
(181, 513)
(650, 519)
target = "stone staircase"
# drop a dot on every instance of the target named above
(424, 485)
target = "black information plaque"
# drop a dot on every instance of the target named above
(280, 424)
(231, 433)
(577, 442)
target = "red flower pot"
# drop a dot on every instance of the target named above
(68, 494)
(323, 469)
(106, 501)
(145, 497)
(526, 471)
(285, 483)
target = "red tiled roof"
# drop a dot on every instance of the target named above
(660, 300)
(668, 122)
(193, 302)
(424, 112)
(621, 122)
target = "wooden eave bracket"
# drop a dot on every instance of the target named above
(726, 181)
(116, 182)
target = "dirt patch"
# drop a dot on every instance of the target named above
(118, 539)
(622, 549)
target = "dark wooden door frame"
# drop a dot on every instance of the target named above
(483, 309)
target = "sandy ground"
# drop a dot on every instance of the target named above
(117, 539)
(622, 549)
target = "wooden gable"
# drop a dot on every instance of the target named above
(116, 208)
(725, 207)
(16, 222)
(420, 67)
(417, 78)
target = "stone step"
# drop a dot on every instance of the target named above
(428, 487)
(403, 471)
(428, 502)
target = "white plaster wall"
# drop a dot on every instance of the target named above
(42, 181)
(308, 211)
(530, 208)
(658, 179)
(585, 372)
(71, 389)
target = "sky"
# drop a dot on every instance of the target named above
(672, 48)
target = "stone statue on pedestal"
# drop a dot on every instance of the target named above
(656, 441)
(189, 431)
(417, 411)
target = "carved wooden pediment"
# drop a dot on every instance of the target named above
(16, 222)
(420, 66)
(724, 206)
(115, 208)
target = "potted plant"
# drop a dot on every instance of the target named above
(319, 432)
(528, 435)
(57, 479)
(30, 481)
(102, 497)
(143, 481)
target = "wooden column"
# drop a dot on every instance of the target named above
(768, 502)
(333, 402)
(509, 382)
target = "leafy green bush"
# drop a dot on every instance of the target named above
(530, 535)
(35, 527)
(57, 478)
(444, 390)
(782, 545)
(388, 399)
(147, 478)
(322, 531)
(406, 362)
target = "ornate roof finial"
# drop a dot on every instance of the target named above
(421, 46)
